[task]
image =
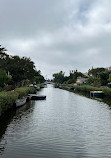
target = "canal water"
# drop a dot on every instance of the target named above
(65, 125)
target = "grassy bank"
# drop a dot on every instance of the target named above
(107, 92)
(23, 91)
(87, 89)
(7, 99)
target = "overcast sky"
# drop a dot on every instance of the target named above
(58, 34)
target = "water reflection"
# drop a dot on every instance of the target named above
(13, 116)
(65, 125)
(105, 99)
(4, 122)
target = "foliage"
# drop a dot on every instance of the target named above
(4, 78)
(7, 99)
(71, 81)
(99, 77)
(103, 78)
(59, 77)
(75, 74)
(109, 79)
(38, 78)
(4, 57)
(107, 92)
(23, 91)
(84, 88)
(90, 80)
(94, 81)
(95, 72)
(87, 89)
(20, 68)
(1, 89)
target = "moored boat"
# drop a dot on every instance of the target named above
(20, 102)
(37, 97)
(96, 94)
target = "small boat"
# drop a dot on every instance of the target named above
(96, 94)
(20, 102)
(37, 97)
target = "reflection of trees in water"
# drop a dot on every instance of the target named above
(13, 115)
(106, 100)
(4, 122)
(3, 143)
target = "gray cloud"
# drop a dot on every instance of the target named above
(58, 35)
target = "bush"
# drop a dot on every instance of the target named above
(94, 81)
(7, 99)
(87, 89)
(107, 92)
(84, 88)
(23, 91)
(71, 81)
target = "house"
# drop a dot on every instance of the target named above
(81, 80)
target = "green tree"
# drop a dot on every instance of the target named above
(94, 82)
(103, 78)
(59, 77)
(20, 68)
(73, 76)
(3, 58)
(90, 80)
(109, 79)
(4, 78)
(38, 78)
(95, 72)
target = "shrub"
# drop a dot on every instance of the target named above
(107, 92)
(23, 91)
(7, 99)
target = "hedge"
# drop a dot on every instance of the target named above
(7, 99)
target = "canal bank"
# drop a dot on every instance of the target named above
(8, 99)
(65, 125)
(86, 89)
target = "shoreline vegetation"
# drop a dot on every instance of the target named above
(16, 75)
(85, 90)
(8, 98)
(96, 79)
(18, 72)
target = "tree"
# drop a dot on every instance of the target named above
(4, 78)
(95, 72)
(38, 78)
(59, 77)
(109, 79)
(2, 49)
(103, 78)
(19, 68)
(3, 58)
(74, 75)
(94, 81)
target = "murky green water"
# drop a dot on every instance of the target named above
(65, 125)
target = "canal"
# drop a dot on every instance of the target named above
(65, 125)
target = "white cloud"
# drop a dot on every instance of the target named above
(58, 35)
